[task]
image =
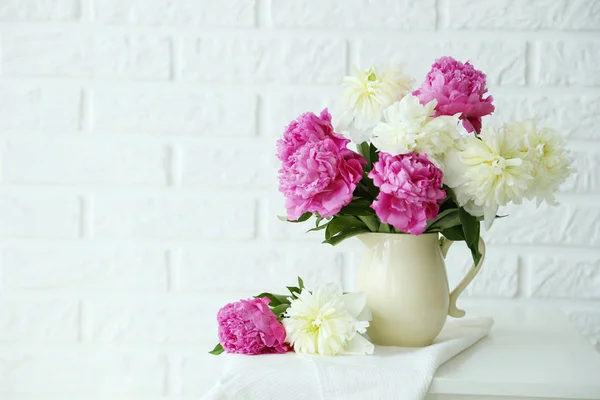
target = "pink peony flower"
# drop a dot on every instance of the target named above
(410, 191)
(318, 174)
(307, 128)
(250, 327)
(459, 89)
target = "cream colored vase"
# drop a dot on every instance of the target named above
(404, 277)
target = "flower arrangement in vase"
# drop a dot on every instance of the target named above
(426, 173)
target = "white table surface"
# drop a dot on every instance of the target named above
(531, 352)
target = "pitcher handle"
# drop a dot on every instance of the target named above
(473, 271)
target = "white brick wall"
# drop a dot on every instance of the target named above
(138, 183)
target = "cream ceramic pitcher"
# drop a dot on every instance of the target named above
(404, 278)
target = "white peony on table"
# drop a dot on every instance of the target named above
(531, 353)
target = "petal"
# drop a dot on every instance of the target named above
(489, 214)
(474, 210)
(331, 289)
(358, 346)
(359, 136)
(355, 303)
(361, 326)
(454, 169)
(365, 314)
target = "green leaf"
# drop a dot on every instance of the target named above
(385, 228)
(345, 235)
(361, 191)
(343, 226)
(476, 255)
(300, 283)
(358, 207)
(455, 233)
(446, 212)
(365, 151)
(217, 350)
(293, 290)
(318, 220)
(496, 217)
(470, 226)
(302, 218)
(276, 299)
(369, 152)
(449, 202)
(340, 223)
(374, 154)
(318, 228)
(328, 233)
(280, 309)
(372, 222)
(371, 188)
(446, 219)
(471, 229)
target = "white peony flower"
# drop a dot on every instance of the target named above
(550, 160)
(488, 172)
(328, 322)
(409, 127)
(367, 94)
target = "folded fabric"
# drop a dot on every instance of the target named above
(390, 373)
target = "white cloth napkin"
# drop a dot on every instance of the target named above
(390, 373)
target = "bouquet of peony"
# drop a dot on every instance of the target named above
(425, 162)
(323, 321)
